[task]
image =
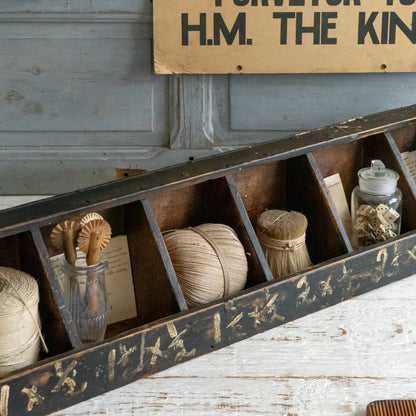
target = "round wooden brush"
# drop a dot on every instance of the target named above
(93, 238)
(64, 237)
(282, 237)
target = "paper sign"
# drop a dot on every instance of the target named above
(410, 160)
(119, 280)
(337, 193)
(283, 36)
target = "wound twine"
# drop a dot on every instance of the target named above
(209, 262)
(274, 244)
(19, 320)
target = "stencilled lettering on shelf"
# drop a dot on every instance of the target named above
(34, 398)
(326, 287)
(178, 345)
(396, 254)
(234, 323)
(268, 312)
(111, 364)
(67, 382)
(125, 360)
(271, 306)
(412, 253)
(217, 328)
(346, 275)
(4, 400)
(304, 297)
(125, 354)
(155, 351)
(382, 257)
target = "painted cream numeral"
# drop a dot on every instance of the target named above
(65, 380)
(304, 297)
(33, 396)
(382, 257)
(4, 400)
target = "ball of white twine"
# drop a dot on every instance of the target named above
(19, 320)
(209, 261)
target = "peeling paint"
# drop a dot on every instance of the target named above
(217, 328)
(125, 353)
(155, 351)
(235, 320)
(412, 253)
(382, 257)
(172, 330)
(33, 396)
(66, 381)
(178, 344)
(304, 296)
(111, 364)
(326, 287)
(4, 400)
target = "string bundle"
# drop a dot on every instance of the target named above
(282, 237)
(19, 320)
(209, 261)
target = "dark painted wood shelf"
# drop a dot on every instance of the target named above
(232, 188)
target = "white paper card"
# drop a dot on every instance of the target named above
(337, 193)
(410, 160)
(119, 279)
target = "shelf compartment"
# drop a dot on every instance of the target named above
(348, 158)
(404, 140)
(292, 185)
(20, 252)
(211, 201)
(405, 137)
(155, 298)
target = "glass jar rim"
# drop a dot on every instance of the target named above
(102, 264)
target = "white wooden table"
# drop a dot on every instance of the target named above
(331, 363)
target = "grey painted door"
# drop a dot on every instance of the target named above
(78, 98)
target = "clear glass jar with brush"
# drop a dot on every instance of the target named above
(376, 205)
(86, 297)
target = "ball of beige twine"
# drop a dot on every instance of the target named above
(19, 320)
(209, 261)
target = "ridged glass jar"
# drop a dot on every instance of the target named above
(376, 205)
(86, 297)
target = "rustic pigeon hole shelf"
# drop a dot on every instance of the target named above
(231, 188)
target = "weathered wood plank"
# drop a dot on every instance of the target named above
(75, 6)
(333, 362)
(312, 100)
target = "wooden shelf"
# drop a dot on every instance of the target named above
(232, 188)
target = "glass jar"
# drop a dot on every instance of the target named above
(86, 297)
(376, 205)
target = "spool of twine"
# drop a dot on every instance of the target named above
(209, 261)
(282, 237)
(19, 320)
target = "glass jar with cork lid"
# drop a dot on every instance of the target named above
(376, 205)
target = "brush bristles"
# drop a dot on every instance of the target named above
(283, 225)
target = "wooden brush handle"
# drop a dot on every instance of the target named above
(94, 248)
(69, 246)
